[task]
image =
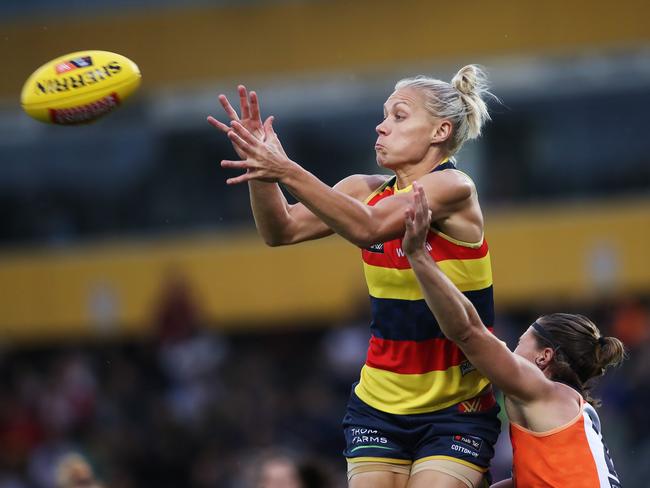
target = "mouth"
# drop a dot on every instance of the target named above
(379, 146)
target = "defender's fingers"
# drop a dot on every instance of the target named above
(409, 216)
(419, 193)
(423, 204)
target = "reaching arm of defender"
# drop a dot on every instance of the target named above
(342, 211)
(515, 376)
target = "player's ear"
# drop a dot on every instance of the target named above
(441, 131)
(544, 358)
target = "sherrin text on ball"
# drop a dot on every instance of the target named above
(79, 87)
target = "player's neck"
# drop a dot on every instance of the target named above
(409, 173)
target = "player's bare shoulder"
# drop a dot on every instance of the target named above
(361, 186)
(449, 176)
(448, 185)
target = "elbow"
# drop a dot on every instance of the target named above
(466, 332)
(462, 337)
(273, 240)
(365, 237)
(361, 242)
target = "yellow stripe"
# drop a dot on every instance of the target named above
(456, 460)
(410, 187)
(466, 274)
(406, 394)
(381, 188)
(377, 460)
(472, 245)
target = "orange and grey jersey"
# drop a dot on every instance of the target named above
(411, 367)
(572, 455)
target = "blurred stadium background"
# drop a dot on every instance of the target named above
(144, 326)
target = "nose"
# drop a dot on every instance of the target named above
(381, 128)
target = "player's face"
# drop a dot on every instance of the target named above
(528, 346)
(405, 134)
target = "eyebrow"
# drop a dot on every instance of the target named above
(395, 104)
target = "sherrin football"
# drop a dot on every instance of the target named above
(79, 87)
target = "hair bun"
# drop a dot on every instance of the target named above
(470, 80)
(472, 85)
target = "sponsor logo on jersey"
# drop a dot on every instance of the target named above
(378, 248)
(469, 441)
(362, 438)
(466, 367)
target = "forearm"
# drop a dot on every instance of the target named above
(270, 211)
(455, 314)
(342, 213)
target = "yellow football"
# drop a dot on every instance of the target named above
(79, 87)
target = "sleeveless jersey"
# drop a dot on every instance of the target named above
(572, 455)
(411, 367)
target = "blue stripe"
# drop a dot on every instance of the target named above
(407, 320)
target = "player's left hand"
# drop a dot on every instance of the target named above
(262, 159)
(250, 114)
(417, 220)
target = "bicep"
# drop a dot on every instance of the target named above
(305, 225)
(517, 377)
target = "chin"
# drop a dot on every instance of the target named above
(383, 162)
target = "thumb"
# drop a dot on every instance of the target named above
(408, 217)
(268, 126)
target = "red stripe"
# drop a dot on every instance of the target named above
(441, 250)
(383, 259)
(385, 193)
(411, 357)
(414, 357)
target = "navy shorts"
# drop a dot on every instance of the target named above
(465, 432)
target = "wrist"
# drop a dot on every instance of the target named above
(419, 255)
(292, 174)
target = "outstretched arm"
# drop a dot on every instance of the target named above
(341, 211)
(515, 376)
(276, 220)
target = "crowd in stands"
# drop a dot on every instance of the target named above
(192, 407)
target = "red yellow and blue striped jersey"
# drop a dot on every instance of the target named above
(411, 367)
